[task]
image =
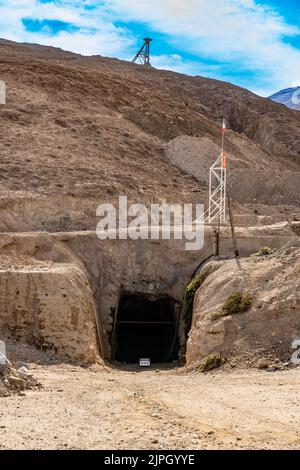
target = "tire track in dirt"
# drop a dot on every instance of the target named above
(166, 427)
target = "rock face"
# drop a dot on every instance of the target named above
(49, 306)
(290, 97)
(268, 328)
(251, 179)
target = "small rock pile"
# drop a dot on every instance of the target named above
(16, 379)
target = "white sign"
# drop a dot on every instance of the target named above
(145, 362)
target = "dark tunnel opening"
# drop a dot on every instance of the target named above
(145, 327)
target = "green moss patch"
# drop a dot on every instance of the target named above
(191, 289)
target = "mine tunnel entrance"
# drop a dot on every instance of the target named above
(145, 327)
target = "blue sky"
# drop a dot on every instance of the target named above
(252, 43)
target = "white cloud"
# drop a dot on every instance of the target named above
(241, 33)
(176, 63)
(97, 34)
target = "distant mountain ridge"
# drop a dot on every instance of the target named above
(290, 97)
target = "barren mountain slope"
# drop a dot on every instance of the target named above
(78, 131)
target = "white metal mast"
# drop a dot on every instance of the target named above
(217, 186)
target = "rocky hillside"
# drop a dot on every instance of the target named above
(290, 97)
(266, 322)
(77, 131)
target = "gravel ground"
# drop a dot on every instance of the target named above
(103, 408)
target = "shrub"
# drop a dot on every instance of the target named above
(213, 361)
(264, 251)
(237, 303)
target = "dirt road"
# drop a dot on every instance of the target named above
(168, 409)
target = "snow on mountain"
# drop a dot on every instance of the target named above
(289, 97)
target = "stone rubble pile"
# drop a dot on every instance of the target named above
(15, 378)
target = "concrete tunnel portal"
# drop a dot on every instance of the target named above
(145, 327)
(122, 300)
(138, 287)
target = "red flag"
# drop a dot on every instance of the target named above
(224, 161)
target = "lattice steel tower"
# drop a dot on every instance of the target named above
(217, 186)
(144, 53)
(216, 212)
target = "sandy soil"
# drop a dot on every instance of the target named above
(103, 408)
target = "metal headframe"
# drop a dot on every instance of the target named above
(144, 53)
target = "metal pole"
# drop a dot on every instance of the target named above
(210, 190)
(235, 245)
(225, 193)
